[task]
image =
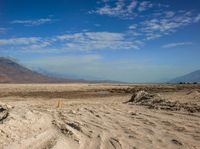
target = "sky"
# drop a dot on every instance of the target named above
(121, 40)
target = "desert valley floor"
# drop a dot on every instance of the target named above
(99, 116)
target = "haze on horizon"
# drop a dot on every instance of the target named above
(122, 40)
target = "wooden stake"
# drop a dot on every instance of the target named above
(59, 105)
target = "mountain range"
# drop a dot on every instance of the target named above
(13, 72)
(190, 77)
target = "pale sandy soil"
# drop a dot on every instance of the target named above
(90, 117)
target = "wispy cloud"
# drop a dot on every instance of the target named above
(173, 45)
(31, 44)
(133, 26)
(36, 22)
(124, 9)
(81, 41)
(158, 22)
(197, 18)
(120, 8)
(145, 5)
(19, 41)
(98, 40)
(38, 45)
(164, 23)
(2, 30)
(132, 6)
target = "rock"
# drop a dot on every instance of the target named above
(176, 142)
(3, 111)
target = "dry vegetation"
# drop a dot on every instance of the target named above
(105, 116)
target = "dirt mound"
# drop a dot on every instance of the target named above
(3, 111)
(154, 101)
(194, 94)
(143, 97)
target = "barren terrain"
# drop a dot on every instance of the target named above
(99, 116)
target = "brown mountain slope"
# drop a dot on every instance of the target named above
(12, 72)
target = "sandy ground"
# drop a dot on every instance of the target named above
(96, 117)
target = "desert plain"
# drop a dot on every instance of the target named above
(99, 116)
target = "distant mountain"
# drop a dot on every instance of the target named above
(191, 77)
(13, 72)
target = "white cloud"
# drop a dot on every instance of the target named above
(151, 36)
(132, 27)
(169, 14)
(112, 11)
(121, 8)
(82, 41)
(158, 22)
(19, 41)
(164, 23)
(132, 6)
(37, 22)
(41, 44)
(145, 5)
(98, 40)
(26, 43)
(197, 18)
(125, 9)
(173, 45)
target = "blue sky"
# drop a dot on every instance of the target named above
(123, 40)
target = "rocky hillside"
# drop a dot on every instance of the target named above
(12, 72)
